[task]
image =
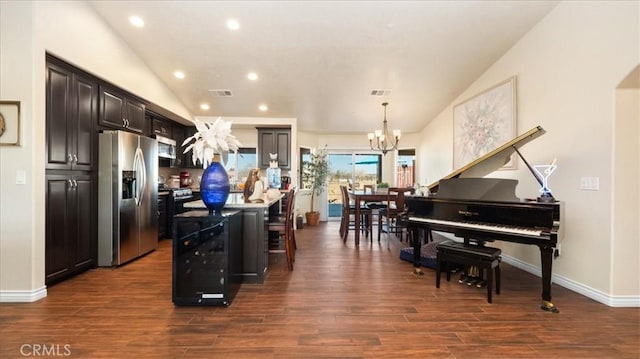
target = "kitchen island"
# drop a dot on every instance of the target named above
(255, 236)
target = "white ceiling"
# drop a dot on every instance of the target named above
(318, 61)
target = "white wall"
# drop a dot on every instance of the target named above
(567, 69)
(27, 30)
(625, 235)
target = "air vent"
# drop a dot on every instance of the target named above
(380, 92)
(220, 93)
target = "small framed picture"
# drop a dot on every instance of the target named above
(9, 123)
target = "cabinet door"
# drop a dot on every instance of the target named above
(57, 245)
(162, 127)
(135, 116)
(85, 115)
(112, 107)
(178, 133)
(283, 147)
(266, 140)
(58, 87)
(85, 240)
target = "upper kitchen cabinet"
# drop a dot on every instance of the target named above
(178, 132)
(274, 140)
(72, 111)
(120, 111)
(162, 127)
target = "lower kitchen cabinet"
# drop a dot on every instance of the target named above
(163, 231)
(70, 243)
(207, 258)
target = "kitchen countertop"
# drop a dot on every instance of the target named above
(235, 201)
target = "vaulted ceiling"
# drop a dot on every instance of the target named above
(318, 61)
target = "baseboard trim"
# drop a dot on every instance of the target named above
(22, 296)
(598, 296)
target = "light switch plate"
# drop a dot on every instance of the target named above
(590, 183)
(21, 177)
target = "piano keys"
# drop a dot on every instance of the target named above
(487, 209)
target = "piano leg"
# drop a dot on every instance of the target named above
(417, 244)
(546, 257)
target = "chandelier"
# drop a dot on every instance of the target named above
(384, 141)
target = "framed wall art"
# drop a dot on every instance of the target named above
(9, 123)
(484, 122)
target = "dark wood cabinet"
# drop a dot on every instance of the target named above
(72, 110)
(70, 245)
(162, 127)
(120, 111)
(274, 140)
(178, 133)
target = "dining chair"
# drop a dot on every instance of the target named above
(283, 228)
(391, 215)
(349, 210)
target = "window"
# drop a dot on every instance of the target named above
(353, 170)
(238, 164)
(405, 168)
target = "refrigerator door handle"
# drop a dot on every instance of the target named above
(141, 175)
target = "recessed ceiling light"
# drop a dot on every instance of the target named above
(136, 21)
(263, 108)
(178, 74)
(204, 106)
(233, 24)
(252, 76)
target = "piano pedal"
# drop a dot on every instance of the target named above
(471, 281)
(481, 284)
(463, 278)
(549, 307)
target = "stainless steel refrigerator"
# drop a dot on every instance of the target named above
(127, 197)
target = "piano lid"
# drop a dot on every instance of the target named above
(493, 160)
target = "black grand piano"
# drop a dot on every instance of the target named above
(487, 209)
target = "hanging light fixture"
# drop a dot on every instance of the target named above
(385, 142)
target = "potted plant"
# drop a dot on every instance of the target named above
(316, 172)
(382, 187)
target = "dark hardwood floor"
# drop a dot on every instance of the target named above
(339, 302)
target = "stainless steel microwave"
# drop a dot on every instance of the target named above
(166, 147)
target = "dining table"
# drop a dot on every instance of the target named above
(360, 197)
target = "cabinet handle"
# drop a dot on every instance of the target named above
(69, 158)
(75, 159)
(75, 184)
(70, 183)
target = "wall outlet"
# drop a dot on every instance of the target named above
(590, 183)
(556, 252)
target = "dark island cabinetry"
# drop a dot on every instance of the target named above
(121, 111)
(207, 258)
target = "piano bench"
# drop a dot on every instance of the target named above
(469, 255)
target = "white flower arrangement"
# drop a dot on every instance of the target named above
(211, 138)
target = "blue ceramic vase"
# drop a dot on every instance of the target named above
(214, 187)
